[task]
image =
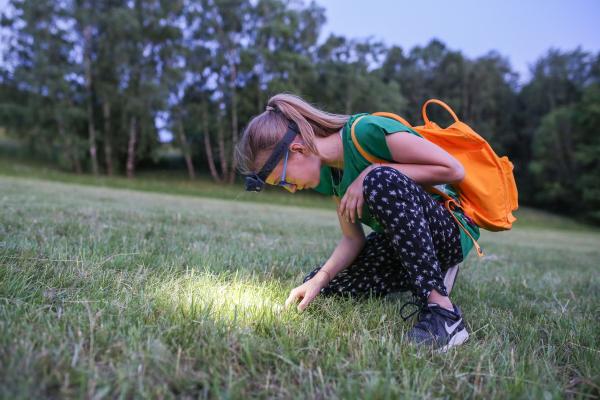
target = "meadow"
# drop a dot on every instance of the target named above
(121, 291)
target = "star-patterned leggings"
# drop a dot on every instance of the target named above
(420, 241)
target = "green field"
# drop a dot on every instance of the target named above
(108, 292)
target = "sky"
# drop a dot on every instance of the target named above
(521, 30)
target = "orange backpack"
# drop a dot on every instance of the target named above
(488, 194)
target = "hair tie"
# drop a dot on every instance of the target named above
(271, 108)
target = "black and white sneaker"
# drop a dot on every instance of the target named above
(439, 328)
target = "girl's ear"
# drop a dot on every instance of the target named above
(296, 147)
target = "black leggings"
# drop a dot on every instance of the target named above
(420, 241)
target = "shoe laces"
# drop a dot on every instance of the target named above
(419, 304)
(423, 308)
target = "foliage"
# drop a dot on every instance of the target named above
(567, 157)
(90, 84)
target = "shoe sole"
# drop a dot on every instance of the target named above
(456, 340)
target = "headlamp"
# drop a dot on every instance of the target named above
(256, 182)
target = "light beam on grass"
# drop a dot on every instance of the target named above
(242, 303)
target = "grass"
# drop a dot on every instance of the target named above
(108, 292)
(163, 181)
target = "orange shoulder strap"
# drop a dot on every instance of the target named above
(372, 159)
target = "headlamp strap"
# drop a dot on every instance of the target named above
(278, 151)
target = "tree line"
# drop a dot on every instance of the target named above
(88, 84)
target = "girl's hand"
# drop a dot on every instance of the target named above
(353, 200)
(307, 291)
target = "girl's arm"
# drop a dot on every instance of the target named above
(343, 255)
(346, 251)
(423, 174)
(423, 161)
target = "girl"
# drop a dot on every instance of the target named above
(415, 240)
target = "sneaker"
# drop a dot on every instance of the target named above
(439, 328)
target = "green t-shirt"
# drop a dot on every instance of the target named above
(370, 133)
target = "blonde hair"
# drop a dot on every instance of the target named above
(266, 129)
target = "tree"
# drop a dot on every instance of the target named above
(558, 80)
(41, 48)
(111, 57)
(86, 28)
(587, 150)
(143, 93)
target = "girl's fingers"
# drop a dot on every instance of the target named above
(352, 211)
(351, 205)
(342, 208)
(304, 303)
(352, 208)
(291, 298)
(359, 206)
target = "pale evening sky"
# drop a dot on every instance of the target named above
(521, 30)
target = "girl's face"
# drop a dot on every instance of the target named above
(303, 169)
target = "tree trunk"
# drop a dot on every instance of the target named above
(185, 149)
(131, 147)
(234, 121)
(210, 158)
(208, 146)
(107, 139)
(221, 144)
(73, 159)
(90, 109)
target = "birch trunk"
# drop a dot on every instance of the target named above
(221, 144)
(73, 159)
(107, 139)
(90, 109)
(185, 149)
(208, 147)
(131, 147)
(234, 121)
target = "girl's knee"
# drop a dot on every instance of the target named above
(380, 174)
(387, 182)
(377, 172)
